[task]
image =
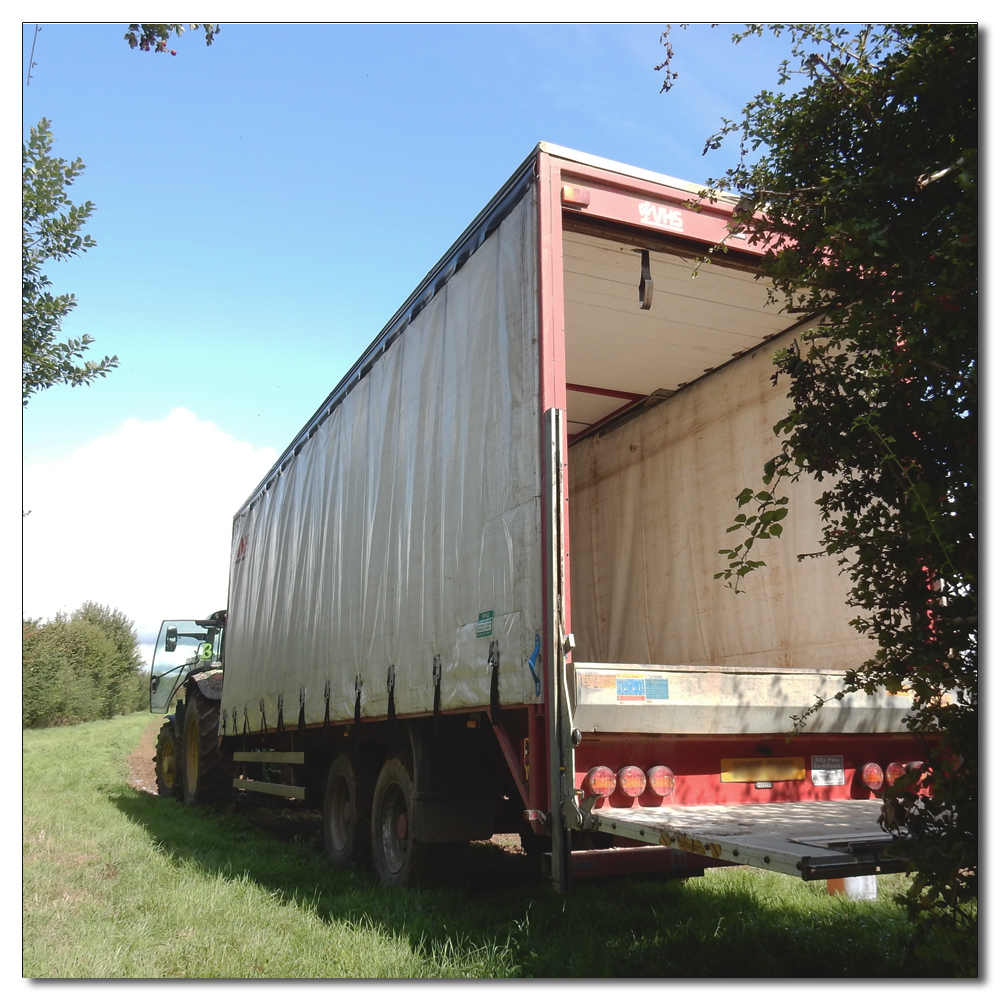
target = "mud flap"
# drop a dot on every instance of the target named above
(453, 797)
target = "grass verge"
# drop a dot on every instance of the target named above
(121, 884)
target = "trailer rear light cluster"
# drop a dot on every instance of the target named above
(893, 772)
(630, 780)
(874, 778)
(661, 780)
(600, 781)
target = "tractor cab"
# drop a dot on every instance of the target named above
(184, 648)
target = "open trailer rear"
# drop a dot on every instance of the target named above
(476, 593)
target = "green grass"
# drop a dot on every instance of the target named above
(118, 883)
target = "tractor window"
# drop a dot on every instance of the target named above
(182, 648)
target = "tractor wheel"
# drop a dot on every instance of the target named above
(347, 812)
(207, 778)
(397, 858)
(168, 777)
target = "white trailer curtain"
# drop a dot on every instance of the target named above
(407, 527)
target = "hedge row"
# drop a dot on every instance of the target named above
(81, 667)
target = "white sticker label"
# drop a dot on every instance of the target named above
(827, 770)
(660, 216)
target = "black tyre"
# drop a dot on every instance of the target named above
(206, 777)
(347, 812)
(168, 777)
(397, 858)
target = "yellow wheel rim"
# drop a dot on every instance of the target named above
(168, 763)
(191, 748)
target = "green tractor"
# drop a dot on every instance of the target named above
(186, 674)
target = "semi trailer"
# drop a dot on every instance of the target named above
(477, 592)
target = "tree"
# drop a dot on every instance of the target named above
(154, 37)
(120, 685)
(64, 665)
(80, 667)
(50, 230)
(862, 186)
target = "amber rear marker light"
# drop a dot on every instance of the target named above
(576, 196)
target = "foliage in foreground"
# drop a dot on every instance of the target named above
(864, 192)
(81, 667)
(118, 883)
(156, 37)
(50, 230)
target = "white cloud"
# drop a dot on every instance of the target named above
(139, 520)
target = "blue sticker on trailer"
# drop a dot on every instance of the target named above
(531, 664)
(629, 688)
(657, 689)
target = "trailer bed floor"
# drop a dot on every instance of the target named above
(811, 840)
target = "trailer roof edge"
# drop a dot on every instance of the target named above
(496, 210)
(484, 223)
(613, 166)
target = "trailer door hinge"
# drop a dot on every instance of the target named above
(571, 811)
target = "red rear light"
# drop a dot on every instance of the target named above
(871, 775)
(600, 781)
(632, 781)
(661, 780)
(893, 772)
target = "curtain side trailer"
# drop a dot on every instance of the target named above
(476, 594)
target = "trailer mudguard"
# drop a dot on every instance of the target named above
(453, 793)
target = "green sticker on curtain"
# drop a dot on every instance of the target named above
(484, 626)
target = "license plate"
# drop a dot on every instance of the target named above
(754, 769)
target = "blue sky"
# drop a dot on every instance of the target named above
(263, 207)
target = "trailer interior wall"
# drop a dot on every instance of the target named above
(406, 527)
(651, 498)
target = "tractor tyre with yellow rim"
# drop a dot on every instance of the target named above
(207, 778)
(168, 777)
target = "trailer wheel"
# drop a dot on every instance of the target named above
(168, 778)
(398, 859)
(347, 811)
(206, 778)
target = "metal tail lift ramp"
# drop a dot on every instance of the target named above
(810, 840)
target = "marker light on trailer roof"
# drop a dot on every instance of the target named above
(576, 196)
